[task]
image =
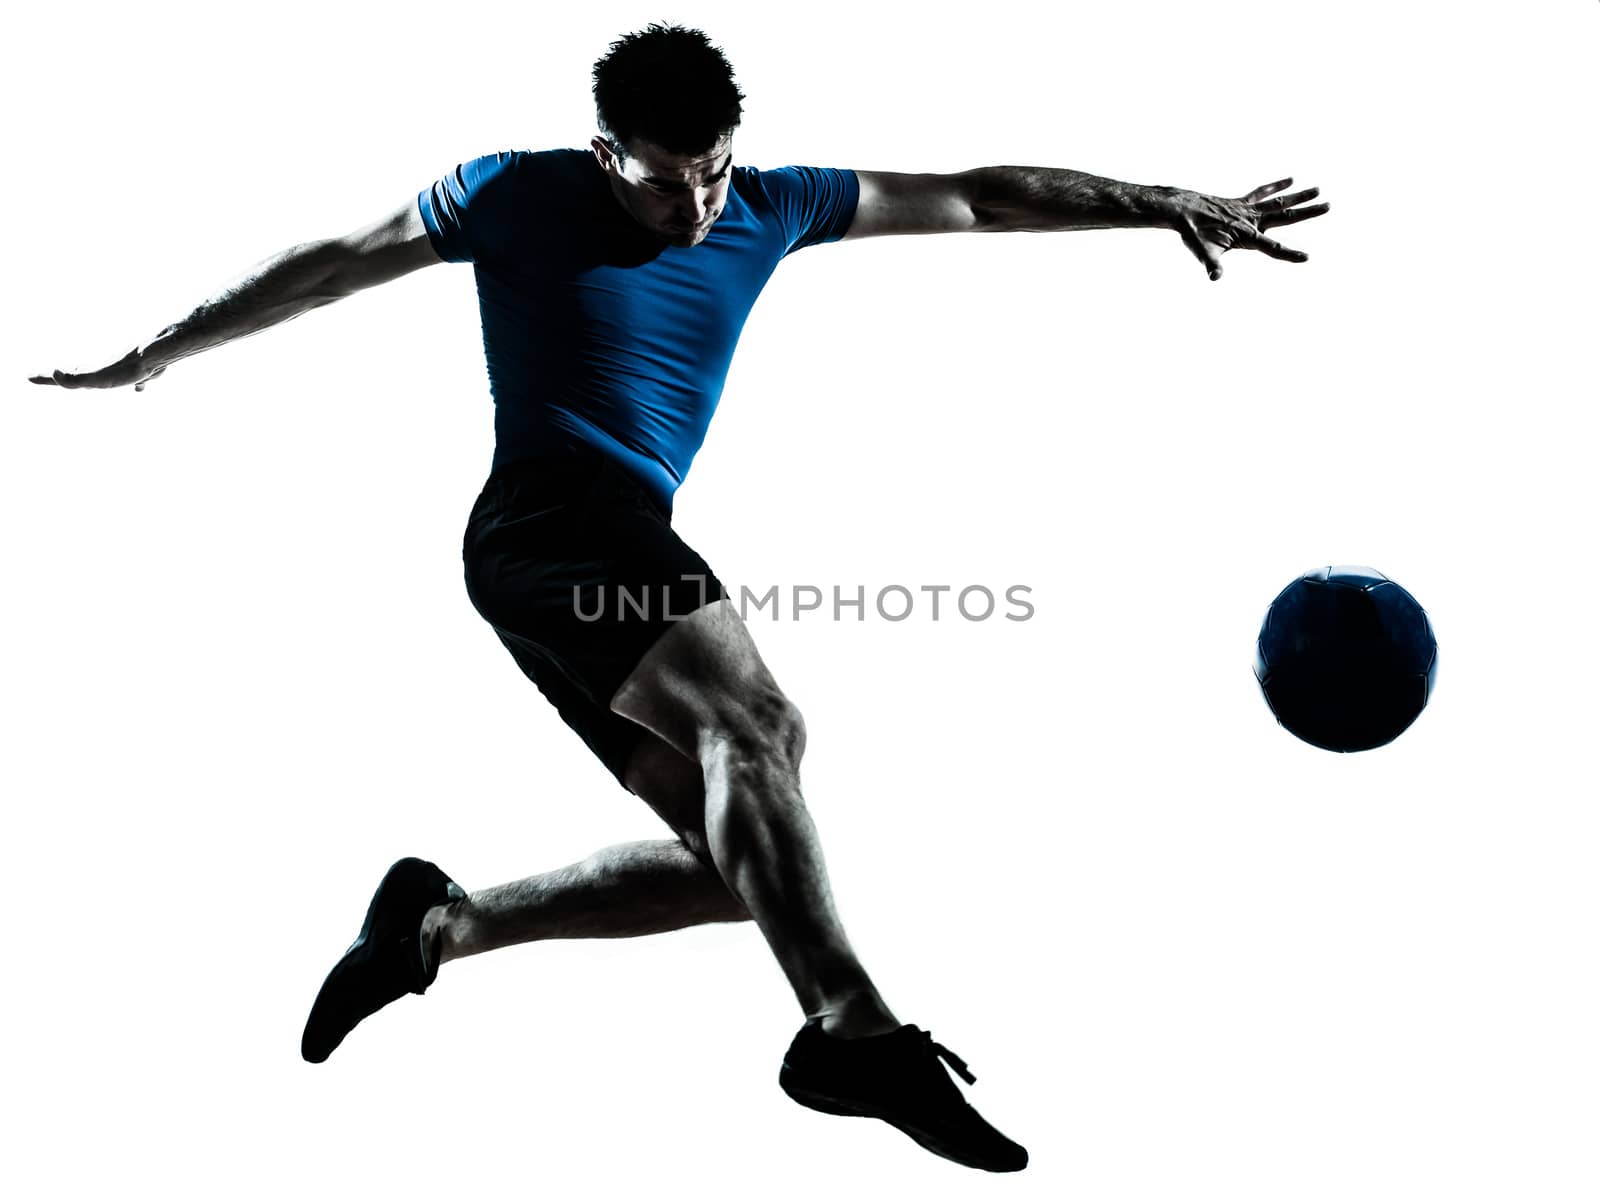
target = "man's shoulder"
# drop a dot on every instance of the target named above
(574, 160)
(504, 187)
(752, 180)
(810, 203)
(534, 166)
(762, 189)
(773, 182)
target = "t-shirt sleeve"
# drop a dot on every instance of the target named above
(814, 204)
(464, 211)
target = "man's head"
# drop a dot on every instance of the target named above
(667, 107)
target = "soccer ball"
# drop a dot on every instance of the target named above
(1346, 658)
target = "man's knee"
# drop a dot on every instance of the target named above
(670, 783)
(762, 724)
(694, 838)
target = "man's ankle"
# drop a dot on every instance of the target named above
(859, 1016)
(435, 935)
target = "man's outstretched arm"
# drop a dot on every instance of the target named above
(280, 288)
(1040, 199)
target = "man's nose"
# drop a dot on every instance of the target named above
(696, 204)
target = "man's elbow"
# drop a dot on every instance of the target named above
(896, 204)
(993, 205)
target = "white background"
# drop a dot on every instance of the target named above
(1183, 951)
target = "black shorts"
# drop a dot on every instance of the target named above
(578, 571)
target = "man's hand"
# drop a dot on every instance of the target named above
(131, 369)
(1211, 226)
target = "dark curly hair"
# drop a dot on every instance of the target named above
(667, 85)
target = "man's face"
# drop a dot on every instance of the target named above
(676, 196)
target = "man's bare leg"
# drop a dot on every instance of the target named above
(622, 891)
(626, 890)
(704, 689)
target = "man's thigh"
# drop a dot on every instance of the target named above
(579, 573)
(705, 676)
(613, 739)
(644, 764)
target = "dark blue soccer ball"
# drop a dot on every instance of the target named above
(1346, 658)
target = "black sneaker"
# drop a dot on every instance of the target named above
(385, 962)
(897, 1077)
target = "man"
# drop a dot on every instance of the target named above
(613, 284)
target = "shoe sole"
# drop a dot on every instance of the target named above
(842, 1108)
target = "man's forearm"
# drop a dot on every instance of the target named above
(283, 286)
(1041, 199)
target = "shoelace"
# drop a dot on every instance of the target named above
(949, 1057)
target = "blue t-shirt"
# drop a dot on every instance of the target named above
(595, 331)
